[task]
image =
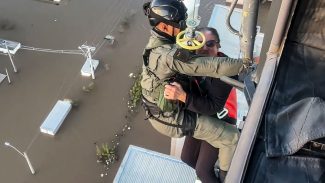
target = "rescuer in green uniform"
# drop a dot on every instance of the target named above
(165, 62)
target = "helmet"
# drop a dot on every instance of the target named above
(170, 12)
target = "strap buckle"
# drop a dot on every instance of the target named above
(222, 113)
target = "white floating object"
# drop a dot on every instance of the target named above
(131, 75)
(2, 77)
(86, 69)
(110, 39)
(56, 117)
(12, 46)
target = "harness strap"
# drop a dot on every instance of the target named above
(315, 146)
(152, 109)
(145, 56)
(148, 106)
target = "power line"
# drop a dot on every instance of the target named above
(76, 52)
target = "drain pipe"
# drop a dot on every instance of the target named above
(248, 28)
(247, 40)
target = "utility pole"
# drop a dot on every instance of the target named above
(23, 154)
(9, 81)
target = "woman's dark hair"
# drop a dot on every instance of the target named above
(212, 30)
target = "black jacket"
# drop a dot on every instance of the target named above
(209, 96)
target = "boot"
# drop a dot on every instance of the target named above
(222, 175)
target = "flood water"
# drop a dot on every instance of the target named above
(44, 78)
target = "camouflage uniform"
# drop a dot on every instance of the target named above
(162, 64)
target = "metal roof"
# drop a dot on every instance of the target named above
(141, 165)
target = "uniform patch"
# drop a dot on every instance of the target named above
(182, 55)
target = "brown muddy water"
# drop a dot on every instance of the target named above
(44, 78)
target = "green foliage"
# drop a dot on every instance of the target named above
(136, 91)
(105, 154)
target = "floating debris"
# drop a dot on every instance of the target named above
(125, 21)
(108, 155)
(55, 2)
(105, 154)
(85, 89)
(73, 102)
(131, 75)
(6, 25)
(124, 24)
(110, 39)
(89, 87)
(107, 67)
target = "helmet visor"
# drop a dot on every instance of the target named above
(167, 12)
